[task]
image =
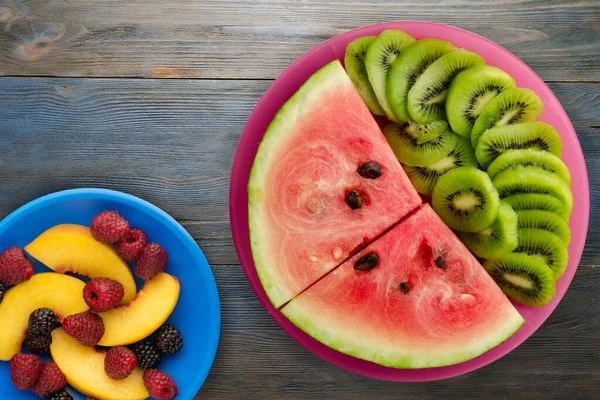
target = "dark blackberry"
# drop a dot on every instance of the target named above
(41, 321)
(148, 355)
(37, 344)
(62, 395)
(168, 339)
(2, 290)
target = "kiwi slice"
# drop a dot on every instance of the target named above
(527, 135)
(465, 199)
(524, 279)
(496, 241)
(543, 202)
(546, 247)
(546, 220)
(526, 157)
(355, 67)
(427, 97)
(519, 179)
(381, 53)
(424, 178)
(469, 93)
(509, 107)
(420, 145)
(404, 72)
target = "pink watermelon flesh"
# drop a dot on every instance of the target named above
(428, 303)
(300, 224)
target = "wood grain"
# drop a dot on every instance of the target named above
(256, 39)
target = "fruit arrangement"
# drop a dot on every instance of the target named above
(67, 318)
(470, 139)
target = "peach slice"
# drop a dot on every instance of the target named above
(72, 248)
(83, 367)
(61, 293)
(146, 313)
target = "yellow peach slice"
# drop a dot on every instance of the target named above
(60, 293)
(72, 248)
(148, 311)
(83, 367)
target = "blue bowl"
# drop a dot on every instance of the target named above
(197, 313)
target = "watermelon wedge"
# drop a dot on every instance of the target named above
(309, 207)
(427, 302)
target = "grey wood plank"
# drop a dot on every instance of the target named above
(172, 142)
(256, 39)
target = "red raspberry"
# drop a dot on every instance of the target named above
(25, 370)
(160, 385)
(153, 261)
(86, 327)
(109, 227)
(132, 246)
(14, 266)
(51, 380)
(119, 362)
(102, 294)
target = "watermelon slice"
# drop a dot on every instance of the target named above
(301, 223)
(427, 303)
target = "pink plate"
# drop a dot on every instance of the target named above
(287, 84)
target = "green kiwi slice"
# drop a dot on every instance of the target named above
(520, 179)
(524, 279)
(424, 178)
(355, 67)
(404, 72)
(546, 220)
(381, 53)
(427, 97)
(542, 202)
(526, 157)
(465, 199)
(509, 107)
(546, 247)
(496, 241)
(527, 135)
(469, 93)
(420, 145)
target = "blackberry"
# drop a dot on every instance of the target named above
(41, 322)
(62, 395)
(37, 344)
(147, 353)
(2, 290)
(168, 339)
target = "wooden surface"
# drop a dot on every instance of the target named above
(77, 108)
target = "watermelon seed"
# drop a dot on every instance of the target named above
(354, 200)
(369, 170)
(440, 262)
(404, 287)
(367, 262)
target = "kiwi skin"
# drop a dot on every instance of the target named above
(354, 62)
(532, 201)
(548, 221)
(530, 157)
(522, 278)
(546, 246)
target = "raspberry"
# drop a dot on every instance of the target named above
(14, 266)
(132, 246)
(41, 321)
(51, 380)
(152, 262)
(61, 395)
(148, 355)
(25, 370)
(119, 362)
(168, 339)
(160, 385)
(37, 344)
(109, 227)
(102, 294)
(2, 290)
(86, 327)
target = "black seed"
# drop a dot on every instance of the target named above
(354, 200)
(369, 170)
(367, 262)
(404, 287)
(440, 262)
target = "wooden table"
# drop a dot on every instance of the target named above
(85, 101)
